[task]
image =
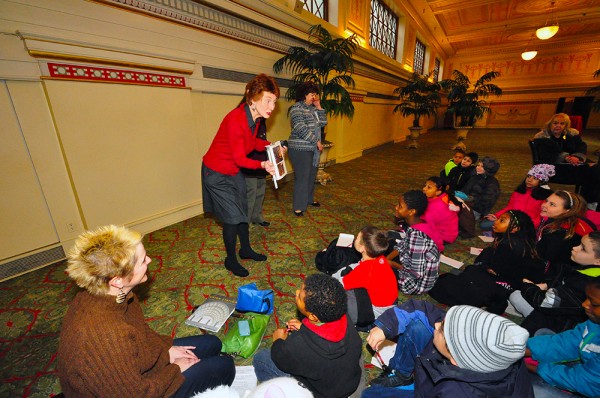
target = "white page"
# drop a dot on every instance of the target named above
(387, 351)
(476, 251)
(345, 240)
(245, 379)
(486, 239)
(451, 262)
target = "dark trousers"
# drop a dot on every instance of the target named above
(213, 369)
(304, 178)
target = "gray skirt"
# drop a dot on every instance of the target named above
(224, 196)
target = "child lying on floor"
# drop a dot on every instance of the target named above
(466, 352)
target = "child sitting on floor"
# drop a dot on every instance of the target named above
(466, 352)
(440, 212)
(498, 270)
(527, 197)
(483, 189)
(569, 360)
(459, 154)
(323, 350)
(458, 176)
(371, 283)
(558, 306)
(415, 255)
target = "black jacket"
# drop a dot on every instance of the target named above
(435, 376)
(485, 190)
(328, 369)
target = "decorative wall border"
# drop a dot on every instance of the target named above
(204, 17)
(109, 75)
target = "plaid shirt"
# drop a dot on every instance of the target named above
(421, 260)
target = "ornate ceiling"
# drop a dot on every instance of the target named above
(507, 25)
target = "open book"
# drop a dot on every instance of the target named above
(213, 313)
(276, 156)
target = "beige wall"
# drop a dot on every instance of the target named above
(80, 154)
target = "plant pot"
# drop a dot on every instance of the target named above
(461, 135)
(413, 137)
(322, 177)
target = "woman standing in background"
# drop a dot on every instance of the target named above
(304, 145)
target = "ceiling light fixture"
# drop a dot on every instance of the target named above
(528, 55)
(551, 26)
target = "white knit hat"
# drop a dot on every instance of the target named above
(481, 341)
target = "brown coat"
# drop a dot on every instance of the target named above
(107, 350)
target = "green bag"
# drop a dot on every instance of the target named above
(245, 346)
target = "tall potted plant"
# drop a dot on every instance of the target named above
(419, 97)
(327, 62)
(467, 103)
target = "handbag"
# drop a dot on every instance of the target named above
(245, 346)
(250, 298)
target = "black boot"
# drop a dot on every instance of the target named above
(231, 262)
(246, 252)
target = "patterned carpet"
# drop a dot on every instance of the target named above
(188, 256)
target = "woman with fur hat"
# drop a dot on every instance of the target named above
(106, 347)
(527, 197)
(466, 352)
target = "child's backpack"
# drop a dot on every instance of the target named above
(335, 258)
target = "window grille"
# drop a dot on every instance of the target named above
(384, 29)
(436, 70)
(419, 61)
(317, 7)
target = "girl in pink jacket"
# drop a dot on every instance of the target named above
(527, 197)
(441, 212)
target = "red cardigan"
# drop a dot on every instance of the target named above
(377, 277)
(233, 142)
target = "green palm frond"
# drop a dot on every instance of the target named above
(469, 106)
(327, 62)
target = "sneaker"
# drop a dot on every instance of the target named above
(392, 379)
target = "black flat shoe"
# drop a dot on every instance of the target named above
(315, 204)
(298, 213)
(264, 224)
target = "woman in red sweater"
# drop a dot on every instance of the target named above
(223, 184)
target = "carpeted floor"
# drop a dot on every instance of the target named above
(187, 257)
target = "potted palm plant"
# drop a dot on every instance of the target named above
(593, 91)
(419, 97)
(327, 62)
(467, 103)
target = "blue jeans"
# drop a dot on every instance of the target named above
(410, 344)
(213, 370)
(265, 368)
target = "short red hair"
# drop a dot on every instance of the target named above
(258, 85)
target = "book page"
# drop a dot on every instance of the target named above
(277, 157)
(451, 262)
(345, 240)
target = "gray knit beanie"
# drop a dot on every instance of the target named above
(481, 341)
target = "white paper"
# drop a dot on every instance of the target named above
(345, 240)
(387, 351)
(486, 239)
(476, 251)
(451, 262)
(245, 379)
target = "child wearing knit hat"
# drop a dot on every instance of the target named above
(466, 352)
(483, 189)
(527, 197)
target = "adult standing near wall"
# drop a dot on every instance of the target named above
(562, 146)
(223, 184)
(307, 118)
